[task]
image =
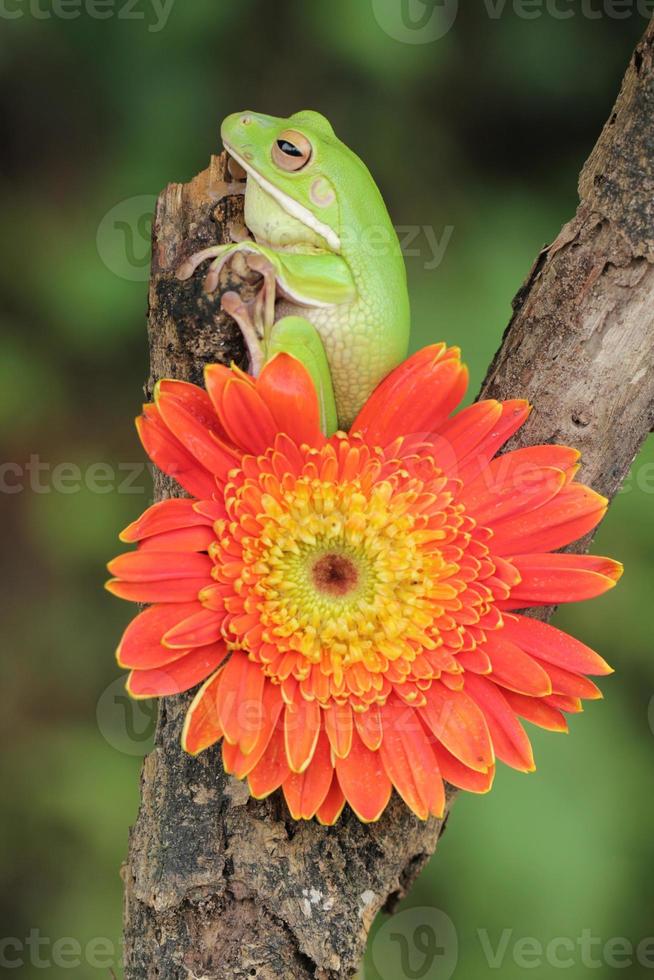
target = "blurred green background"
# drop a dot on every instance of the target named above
(477, 134)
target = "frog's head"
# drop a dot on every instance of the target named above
(300, 178)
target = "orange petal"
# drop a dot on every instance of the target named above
(514, 414)
(567, 682)
(195, 631)
(202, 727)
(173, 590)
(239, 700)
(474, 660)
(570, 515)
(410, 762)
(179, 676)
(141, 647)
(212, 510)
(287, 389)
(190, 416)
(364, 781)
(459, 724)
(233, 759)
(198, 538)
(301, 729)
(265, 724)
(415, 398)
(537, 711)
(338, 725)
(332, 807)
(462, 433)
(563, 702)
(501, 492)
(195, 400)
(271, 770)
(510, 741)
(548, 579)
(143, 566)
(454, 772)
(550, 454)
(306, 792)
(514, 669)
(216, 377)
(553, 645)
(369, 726)
(167, 515)
(167, 452)
(246, 417)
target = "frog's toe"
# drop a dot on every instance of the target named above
(211, 280)
(232, 303)
(260, 263)
(186, 269)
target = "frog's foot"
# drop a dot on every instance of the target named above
(232, 304)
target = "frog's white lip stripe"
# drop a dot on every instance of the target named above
(290, 206)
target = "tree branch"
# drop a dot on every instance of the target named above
(218, 885)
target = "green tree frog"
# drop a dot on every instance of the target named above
(334, 291)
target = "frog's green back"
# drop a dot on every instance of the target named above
(369, 242)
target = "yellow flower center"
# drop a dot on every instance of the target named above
(344, 575)
(352, 571)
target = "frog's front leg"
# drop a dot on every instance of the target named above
(220, 254)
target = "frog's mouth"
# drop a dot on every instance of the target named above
(292, 207)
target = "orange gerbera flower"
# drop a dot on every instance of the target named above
(349, 603)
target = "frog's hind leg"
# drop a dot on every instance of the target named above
(264, 308)
(232, 304)
(256, 320)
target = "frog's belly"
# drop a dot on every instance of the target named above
(358, 357)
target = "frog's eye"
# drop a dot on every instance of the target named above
(291, 151)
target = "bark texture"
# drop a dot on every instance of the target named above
(221, 887)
